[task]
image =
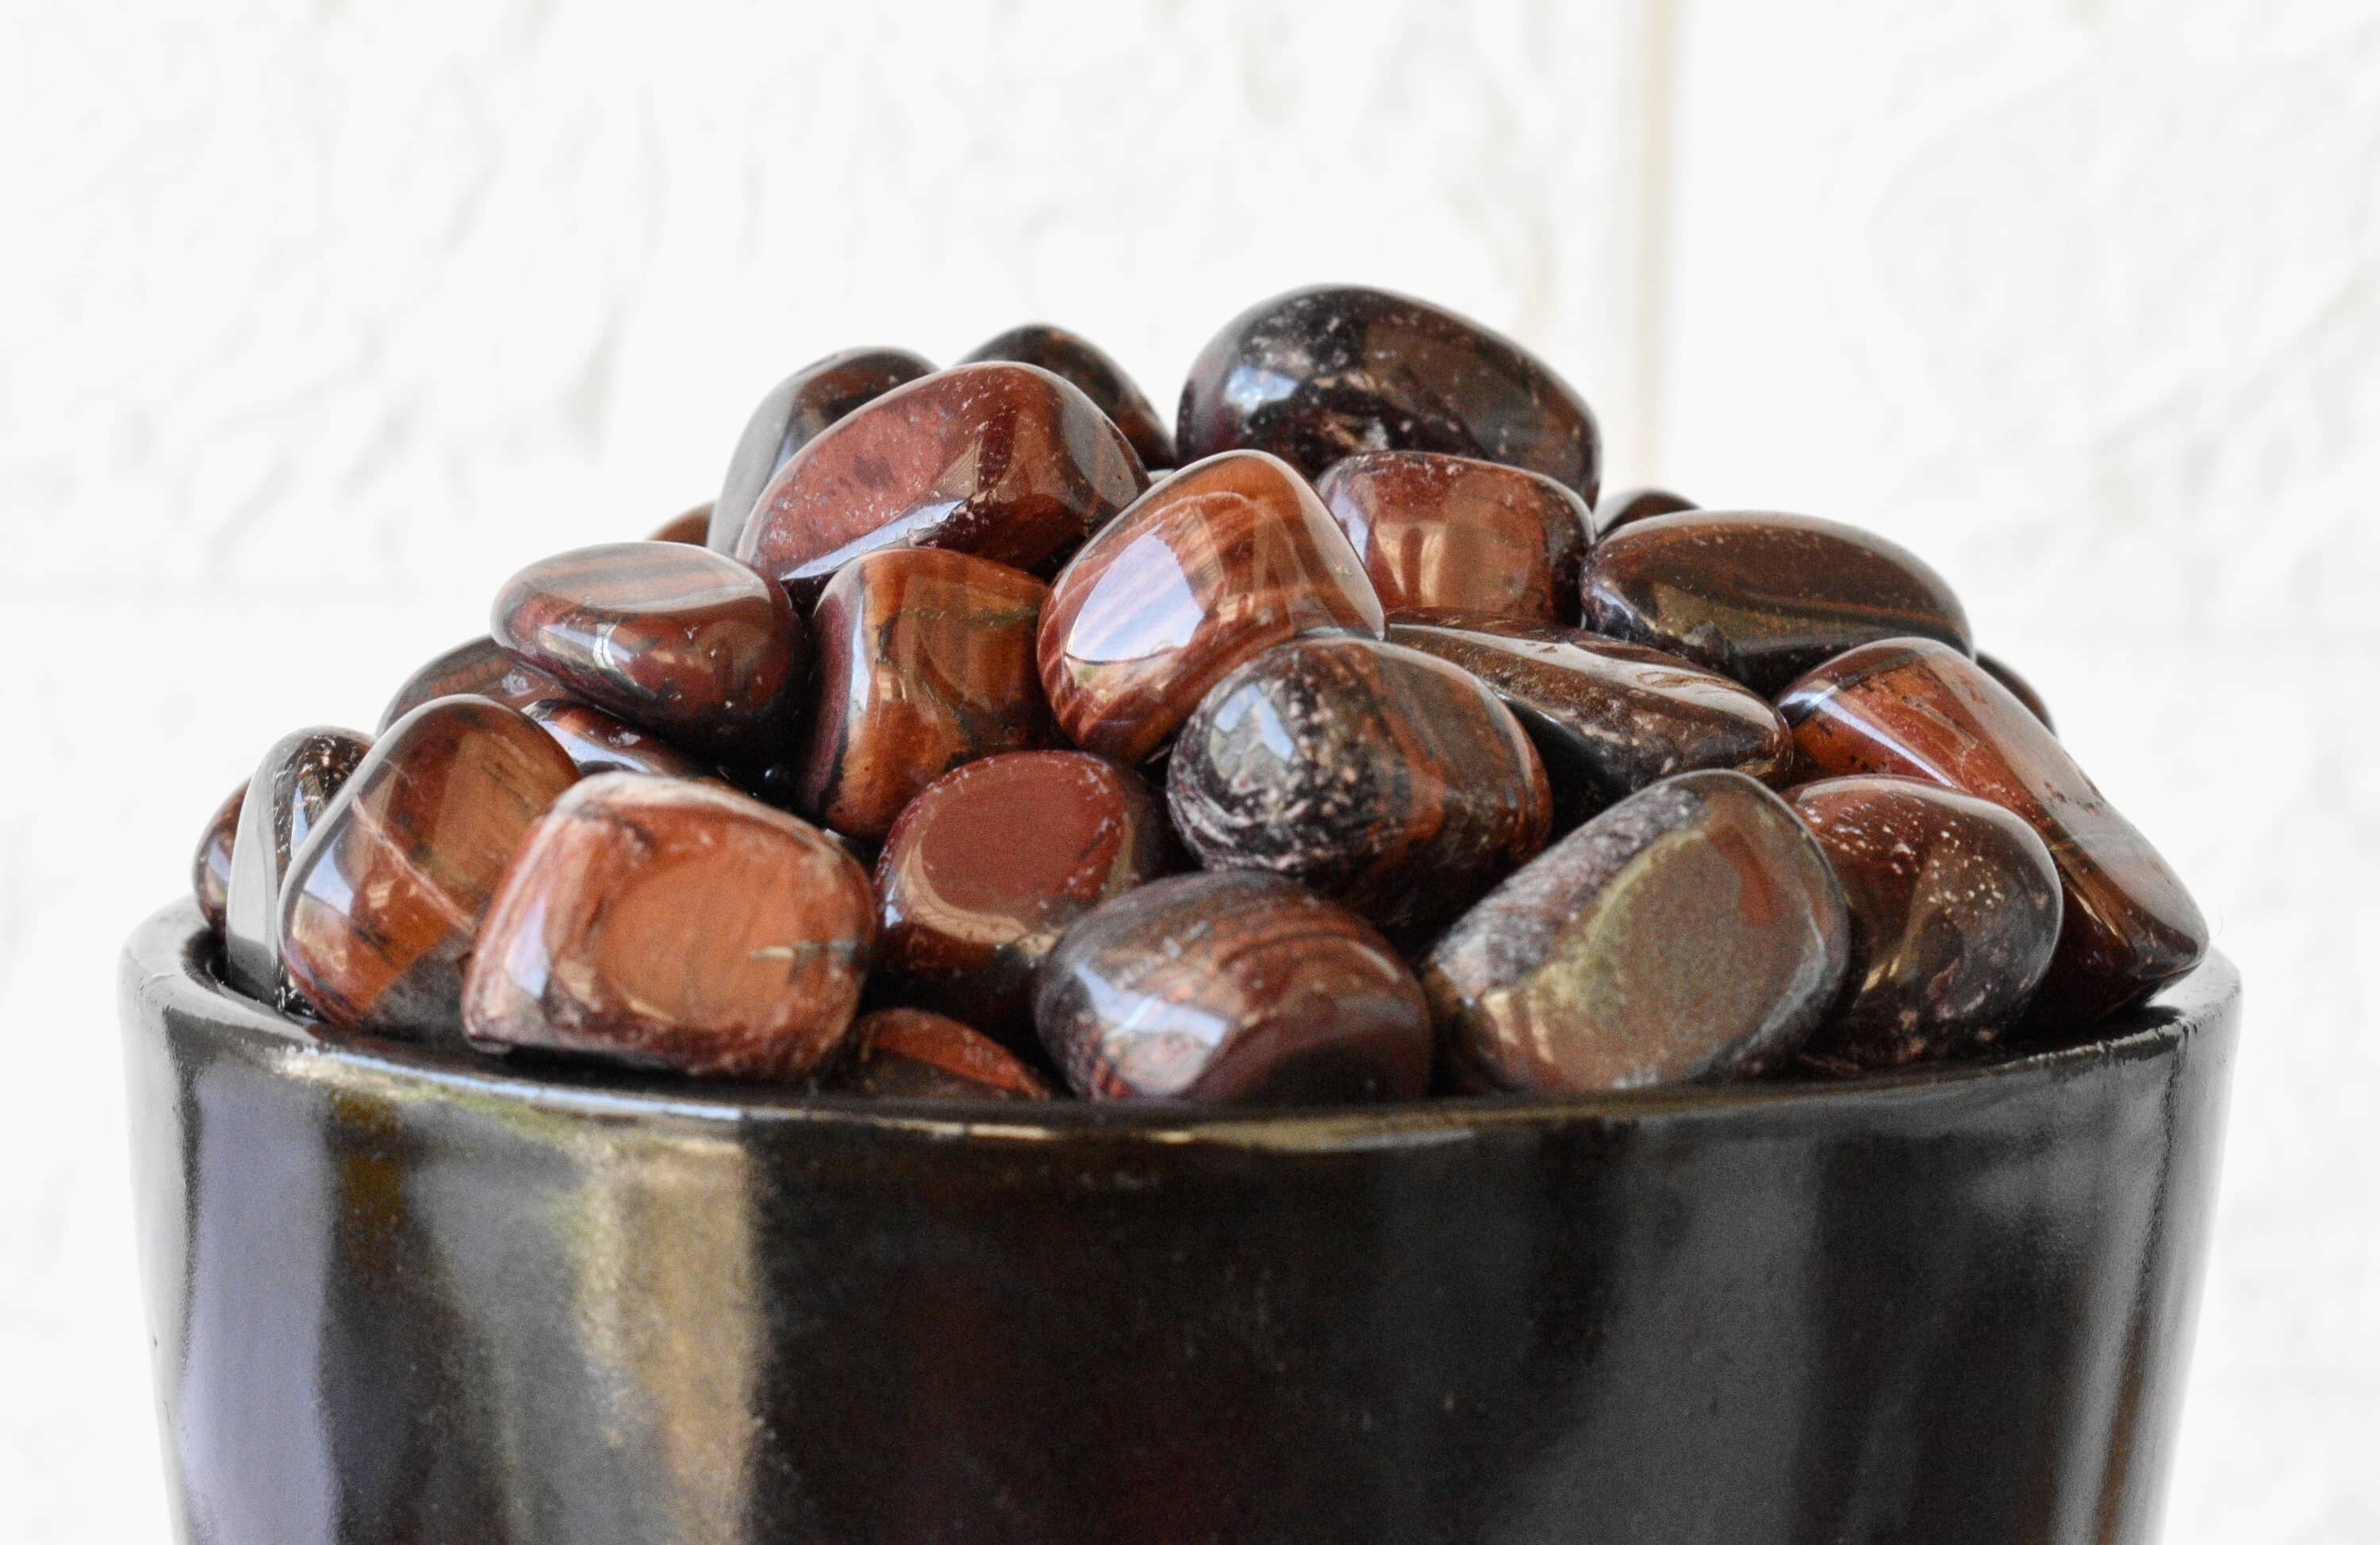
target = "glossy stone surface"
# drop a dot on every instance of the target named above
(1629, 505)
(796, 411)
(1381, 777)
(598, 742)
(678, 640)
(1006, 462)
(661, 923)
(991, 862)
(1237, 987)
(211, 864)
(1318, 374)
(1609, 719)
(1921, 709)
(295, 783)
(1436, 530)
(694, 527)
(925, 662)
(382, 901)
(1692, 931)
(1954, 915)
(1214, 564)
(910, 1054)
(2021, 690)
(1763, 597)
(1077, 359)
(477, 666)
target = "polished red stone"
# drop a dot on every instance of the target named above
(990, 863)
(662, 923)
(1077, 359)
(1237, 987)
(1002, 461)
(598, 742)
(381, 903)
(211, 864)
(677, 640)
(796, 411)
(693, 527)
(476, 666)
(292, 787)
(1214, 564)
(1381, 777)
(1631, 505)
(1692, 931)
(1320, 374)
(1922, 710)
(2005, 674)
(1763, 597)
(910, 1054)
(1435, 530)
(925, 662)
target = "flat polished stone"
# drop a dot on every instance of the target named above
(1629, 505)
(1692, 932)
(925, 662)
(693, 527)
(662, 923)
(1763, 597)
(1436, 530)
(1381, 777)
(991, 862)
(384, 898)
(211, 864)
(1921, 709)
(796, 411)
(476, 666)
(1231, 987)
(1006, 462)
(1076, 358)
(911, 1054)
(1217, 564)
(1318, 374)
(2005, 674)
(598, 742)
(295, 783)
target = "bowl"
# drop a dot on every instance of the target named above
(401, 1297)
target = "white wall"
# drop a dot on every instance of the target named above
(317, 321)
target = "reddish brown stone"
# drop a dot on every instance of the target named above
(1214, 564)
(1077, 359)
(211, 864)
(796, 411)
(598, 742)
(1239, 987)
(694, 527)
(1631, 505)
(909, 1053)
(476, 666)
(381, 903)
(293, 786)
(1435, 530)
(2005, 674)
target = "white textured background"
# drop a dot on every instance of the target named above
(316, 321)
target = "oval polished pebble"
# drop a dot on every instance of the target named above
(2021, 690)
(211, 864)
(925, 662)
(991, 862)
(382, 901)
(678, 640)
(796, 411)
(1609, 719)
(1692, 931)
(295, 783)
(911, 1054)
(1076, 358)
(1234, 988)
(477, 666)
(1216, 563)
(1763, 597)
(1318, 374)
(1381, 778)
(1954, 913)
(598, 742)
(692, 528)
(661, 923)
(1006, 462)
(1921, 709)
(1436, 530)
(1629, 505)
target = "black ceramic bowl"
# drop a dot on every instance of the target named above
(403, 1298)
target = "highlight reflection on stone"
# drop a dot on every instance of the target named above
(1436, 530)
(796, 411)
(1076, 358)
(598, 742)
(211, 864)
(295, 783)
(476, 666)
(911, 1054)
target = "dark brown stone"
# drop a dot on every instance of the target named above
(211, 865)
(598, 742)
(911, 1054)
(796, 411)
(1631, 505)
(295, 783)
(693, 527)
(1435, 530)
(1077, 359)
(476, 666)
(2005, 674)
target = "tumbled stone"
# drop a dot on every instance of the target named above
(1214, 564)
(991, 862)
(1692, 931)
(1629, 505)
(1609, 719)
(1322, 374)
(295, 783)
(692, 528)
(382, 901)
(925, 662)
(1763, 597)
(1237, 987)
(677, 640)
(1077, 359)
(1921, 709)
(1436, 530)
(667, 923)
(1006, 462)
(1378, 777)
(796, 411)
(911, 1054)
(211, 864)
(2005, 674)
(476, 666)
(598, 742)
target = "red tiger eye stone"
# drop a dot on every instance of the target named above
(211, 865)
(598, 743)
(295, 783)
(1006, 462)
(925, 662)
(694, 527)
(1436, 530)
(1214, 564)
(381, 903)
(909, 1053)
(1240, 987)
(1921, 709)
(2005, 674)
(1631, 505)
(478, 666)
(796, 411)
(1076, 358)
